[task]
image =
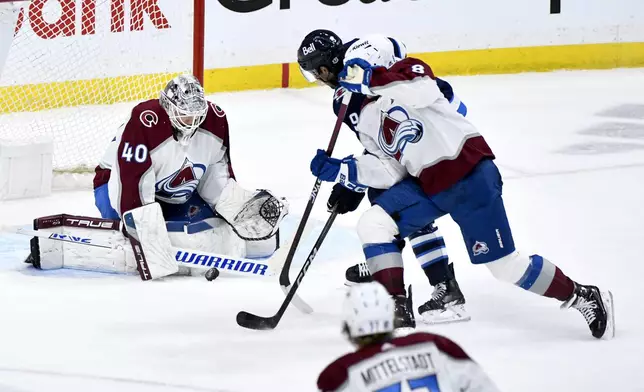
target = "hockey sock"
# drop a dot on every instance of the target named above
(429, 247)
(386, 266)
(544, 278)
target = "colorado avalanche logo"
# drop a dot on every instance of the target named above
(179, 186)
(396, 130)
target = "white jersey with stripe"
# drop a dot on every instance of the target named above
(144, 163)
(409, 123)
(420, 361)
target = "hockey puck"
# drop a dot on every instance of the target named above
(212, 274)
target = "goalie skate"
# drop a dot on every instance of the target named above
(447, 305)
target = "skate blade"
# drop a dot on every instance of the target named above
(607, 299)
(451, 314)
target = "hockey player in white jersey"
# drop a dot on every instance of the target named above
(407, 126)
(172, 155)
(322, 48)
(420, 361)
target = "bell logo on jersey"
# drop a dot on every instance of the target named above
(179, 186)
(397, 130)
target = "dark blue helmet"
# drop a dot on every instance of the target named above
(320, 48)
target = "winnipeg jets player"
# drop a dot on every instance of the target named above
(173, 154)
(420, 361)
(320, 57)
(407, 126)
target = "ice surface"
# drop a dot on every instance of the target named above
(573, 194)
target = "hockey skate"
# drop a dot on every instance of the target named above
(596, 307)
(404, 312)
(358, 273)
(447, 304)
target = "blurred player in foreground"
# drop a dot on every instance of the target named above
(170, 163)
(324, 49)
(420, 361)
(442, 165)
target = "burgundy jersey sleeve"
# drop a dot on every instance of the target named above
(146, 129)
(402, 71)
(217, 123)
(133, 159)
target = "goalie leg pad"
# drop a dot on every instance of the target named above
(150, 241)
(263, 248)
(211, 235)
(50, 254)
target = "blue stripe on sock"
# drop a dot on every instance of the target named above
(374, 250)
(436, 260)
(532, 273)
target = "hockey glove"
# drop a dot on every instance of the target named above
(356, 76)
(344, 171)
(346, 199)
(324, 167)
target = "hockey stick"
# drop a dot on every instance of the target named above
(285, 282)
(251, 321)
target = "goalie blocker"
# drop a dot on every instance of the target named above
(153, 248)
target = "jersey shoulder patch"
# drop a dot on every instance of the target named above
(148, 124)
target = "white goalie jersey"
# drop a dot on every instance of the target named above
(144, 163)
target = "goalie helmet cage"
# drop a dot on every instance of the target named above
(75, 68)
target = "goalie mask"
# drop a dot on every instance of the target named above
(185, 103)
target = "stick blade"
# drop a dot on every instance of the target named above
(251, 321)
(298, 302)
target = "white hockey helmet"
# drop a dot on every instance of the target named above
(185, 103)
(368, 310)
(377, 50)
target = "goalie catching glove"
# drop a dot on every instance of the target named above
(253, 215)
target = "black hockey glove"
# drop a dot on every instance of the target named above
(346, 199)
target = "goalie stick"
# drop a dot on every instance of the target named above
(285, 282)
(251, 321)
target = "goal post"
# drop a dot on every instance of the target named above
(75, 68)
